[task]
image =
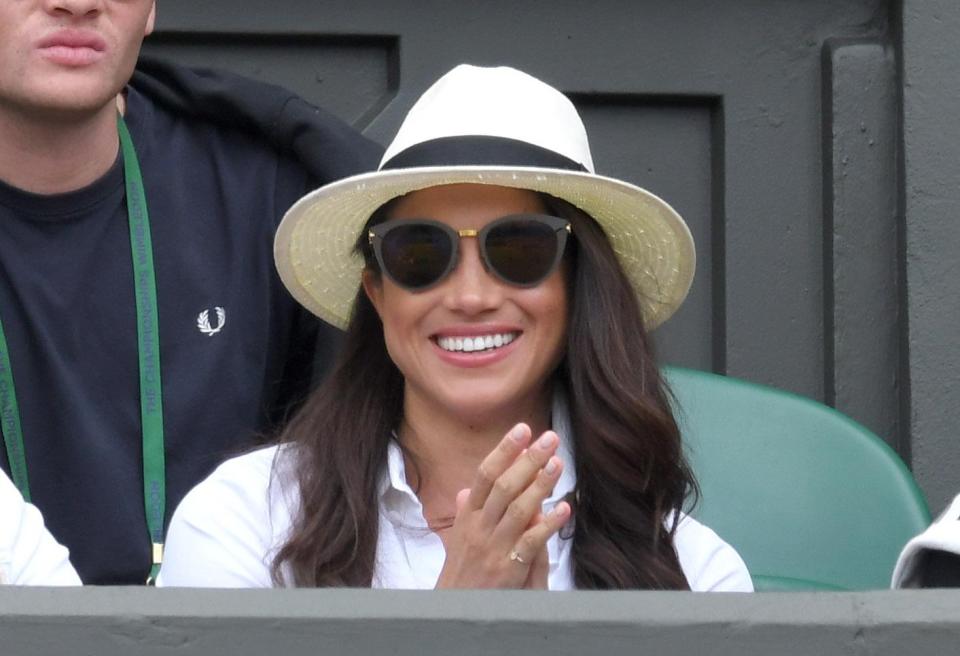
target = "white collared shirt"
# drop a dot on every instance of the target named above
(227, 530)
(29, 555)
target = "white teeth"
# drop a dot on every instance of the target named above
(479, 343)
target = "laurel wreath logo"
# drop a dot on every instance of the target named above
(203, 321)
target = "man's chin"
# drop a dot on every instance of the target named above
(72, 103)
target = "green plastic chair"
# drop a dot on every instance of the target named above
(809, 498)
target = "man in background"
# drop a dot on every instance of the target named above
(145, 335)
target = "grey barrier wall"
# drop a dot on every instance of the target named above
(931, 107)
(125, 622)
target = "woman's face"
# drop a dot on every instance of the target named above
(425, 330)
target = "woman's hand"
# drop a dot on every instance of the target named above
(499, 536)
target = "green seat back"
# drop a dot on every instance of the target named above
(808, 497)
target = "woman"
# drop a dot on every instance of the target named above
(496, 418)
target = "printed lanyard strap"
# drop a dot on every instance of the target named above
(148, 347)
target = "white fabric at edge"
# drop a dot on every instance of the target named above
(942, 535)
(29, 555)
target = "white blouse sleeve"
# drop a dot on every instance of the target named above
(29, 555)
(222, 533)
(709, 563)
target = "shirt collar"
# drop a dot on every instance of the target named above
(395, 479)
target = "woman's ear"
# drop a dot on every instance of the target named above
(373, 288)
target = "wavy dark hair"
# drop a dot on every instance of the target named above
(632, 476)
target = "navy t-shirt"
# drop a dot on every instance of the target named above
(235, 350)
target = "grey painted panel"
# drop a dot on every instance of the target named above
(762, 60)
(778, 316)
(114, 621)
(774, 235)
(664, 146)
(931, 89)
(861, 247)
(353, 79)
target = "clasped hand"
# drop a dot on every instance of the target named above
(499, 535)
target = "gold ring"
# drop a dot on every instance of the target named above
(515, 555)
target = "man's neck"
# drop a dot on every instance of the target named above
(53, 155)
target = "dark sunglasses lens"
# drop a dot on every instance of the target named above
(416, 255)
(522, 250)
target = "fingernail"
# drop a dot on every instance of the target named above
(518, 432)
(546, 441)
(552, 466)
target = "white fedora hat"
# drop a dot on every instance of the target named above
(496, 126)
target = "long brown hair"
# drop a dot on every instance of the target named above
(632, 477)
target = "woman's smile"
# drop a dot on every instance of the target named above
(476, 343)
(474, 348)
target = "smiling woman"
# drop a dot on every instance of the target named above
(436, 333)
(496, 418)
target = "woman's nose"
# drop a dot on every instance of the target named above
(470, 288)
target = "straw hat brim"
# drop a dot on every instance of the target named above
(314, 245)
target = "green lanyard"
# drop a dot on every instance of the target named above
(148, 347)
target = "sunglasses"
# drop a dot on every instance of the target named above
(520, 249)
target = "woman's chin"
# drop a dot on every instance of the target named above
(477, 407)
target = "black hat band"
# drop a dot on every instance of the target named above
(479, 151)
